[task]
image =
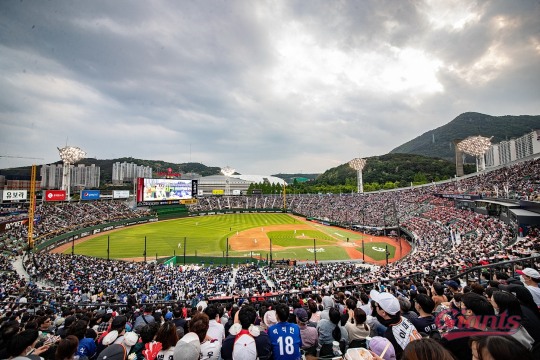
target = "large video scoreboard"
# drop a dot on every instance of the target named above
(165, 191)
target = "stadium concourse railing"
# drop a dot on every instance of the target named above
(474, 273)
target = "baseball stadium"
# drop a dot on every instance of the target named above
(168, 252)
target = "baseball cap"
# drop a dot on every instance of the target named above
(119, 322)
(112, 352)
(110, 337)
(187, 348)
(244, 348)
(301, 314)
(530, 272)
(270, 318)
(377, 344)
(168, 316)
(130, 339)
(202, 305)
(386, 301)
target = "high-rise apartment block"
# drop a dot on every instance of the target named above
(128, 172)
(511, 150)
(82, 176)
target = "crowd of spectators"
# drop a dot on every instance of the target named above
(58, 218)
(446, 241)
(437, 319)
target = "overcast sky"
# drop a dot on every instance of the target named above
(261, 86)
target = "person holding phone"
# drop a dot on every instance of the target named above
(22, 346)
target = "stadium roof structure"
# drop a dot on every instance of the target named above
(222, 179)
(261, 179)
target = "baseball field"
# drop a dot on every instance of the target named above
(247, 235)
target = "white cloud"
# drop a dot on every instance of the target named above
(261, 86)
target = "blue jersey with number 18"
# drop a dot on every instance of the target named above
(286, 341)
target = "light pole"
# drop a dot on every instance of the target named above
(184, 250)
(144, 253)
(69, 155)
(314, 251)
(227, 257)
(227, 171)
(358, 165)
(396, 215)
(270, 252)
(476, 146)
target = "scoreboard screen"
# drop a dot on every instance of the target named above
(165, 190)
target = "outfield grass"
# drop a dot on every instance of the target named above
(377, 255)
(289, 238)
(337, 233)
(206, 235)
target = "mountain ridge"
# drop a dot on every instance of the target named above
(430, 155)
(438, 143)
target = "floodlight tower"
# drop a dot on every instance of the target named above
(358, 165)
(227, 171)
(69, 155)
(477, 147)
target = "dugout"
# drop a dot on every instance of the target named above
(496, 208)
(524, 219)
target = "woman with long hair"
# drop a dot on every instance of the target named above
(498, 348)
(210, 347)
(330, 331)
(426, 349)
(357, 328)
(67, 348)
(167, 336)
(506, 303)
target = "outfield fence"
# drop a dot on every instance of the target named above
(209, 260)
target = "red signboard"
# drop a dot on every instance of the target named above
(55, 195)
(140, 189)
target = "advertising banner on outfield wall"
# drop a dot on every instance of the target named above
(218, 192)
(120, 194)
(90, 194)
(12, 195)
(55, 195)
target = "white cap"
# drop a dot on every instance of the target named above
(530, 272)
(388, 302)
(187, 348)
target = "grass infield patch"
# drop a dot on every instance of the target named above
(377, 250)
